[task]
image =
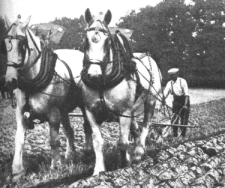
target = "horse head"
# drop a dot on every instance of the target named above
(96, 43)
(19, 49)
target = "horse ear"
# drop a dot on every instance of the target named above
(26, 23)
(88, 16)
(108, 17)
(7, 22)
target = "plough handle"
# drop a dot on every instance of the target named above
(172, 125)
(180, 111)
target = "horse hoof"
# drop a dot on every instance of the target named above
(97, 172)
(16, 177)
(138, 154)
(99, 168)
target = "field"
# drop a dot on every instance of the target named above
(198, 160)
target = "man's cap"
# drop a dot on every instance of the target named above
(173, 71)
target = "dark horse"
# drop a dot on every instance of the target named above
(113, 81)
(45, 88)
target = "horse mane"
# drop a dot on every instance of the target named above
(127, 46)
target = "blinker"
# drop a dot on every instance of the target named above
(23, 43)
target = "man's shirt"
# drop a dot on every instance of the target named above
(177, 88)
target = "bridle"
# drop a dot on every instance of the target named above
(103, 30)
(97, 29)
(23, 47)
(103, 63)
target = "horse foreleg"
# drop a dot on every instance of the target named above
(68, 131)
(124, 139)
(134, 130)
(17, 166)
(3, 94)
(149, 107)
(54, 122)
(98, 143)
(88, 145)
(8, 95)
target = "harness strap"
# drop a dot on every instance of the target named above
(33, 42)
(26, 68)
(70, 100)
(96, 29)
(173, 89)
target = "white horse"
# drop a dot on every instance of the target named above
(112, 84)
(45, 86)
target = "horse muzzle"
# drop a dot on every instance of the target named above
(96, 78)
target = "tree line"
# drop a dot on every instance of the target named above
(188, 36)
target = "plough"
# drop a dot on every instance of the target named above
(155, 124)
(172, 125)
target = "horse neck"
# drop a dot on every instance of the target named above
(31, 60)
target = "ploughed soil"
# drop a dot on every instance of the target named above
(198, 160)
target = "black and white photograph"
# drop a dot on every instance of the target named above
(112, 94)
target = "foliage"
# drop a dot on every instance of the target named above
(74, 34)
(190, 37)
